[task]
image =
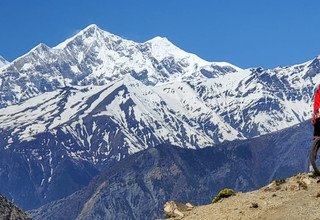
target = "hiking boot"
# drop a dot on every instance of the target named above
(311, 172)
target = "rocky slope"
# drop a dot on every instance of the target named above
(138, 186)
(22, 180)
(9, 211)
(297, 197)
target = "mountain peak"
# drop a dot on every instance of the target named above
(161, 47)
(41, 47)
(3, 61)
(92, 32)
(92, 28)
(315, 64)
(159, 40)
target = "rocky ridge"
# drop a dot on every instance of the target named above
(297, 197)
(8, 211)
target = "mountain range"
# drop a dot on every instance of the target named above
(138, 186)
(75, 110)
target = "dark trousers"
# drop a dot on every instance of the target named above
(316, 132)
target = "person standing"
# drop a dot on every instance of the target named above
(315, 122)
(316, 114)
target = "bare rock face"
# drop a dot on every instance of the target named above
(8, 211)
(174, 209)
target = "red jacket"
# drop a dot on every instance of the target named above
(316, 103)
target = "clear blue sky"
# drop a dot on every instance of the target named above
(246, 33)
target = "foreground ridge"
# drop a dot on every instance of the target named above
(9, 211)
(297, 197)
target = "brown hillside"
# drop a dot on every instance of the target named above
(297, 197)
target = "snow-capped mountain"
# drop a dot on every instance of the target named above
(94, 56)
(243, 103)
(114, 97)
(3, 62)
(97, 98)
(125, 114)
